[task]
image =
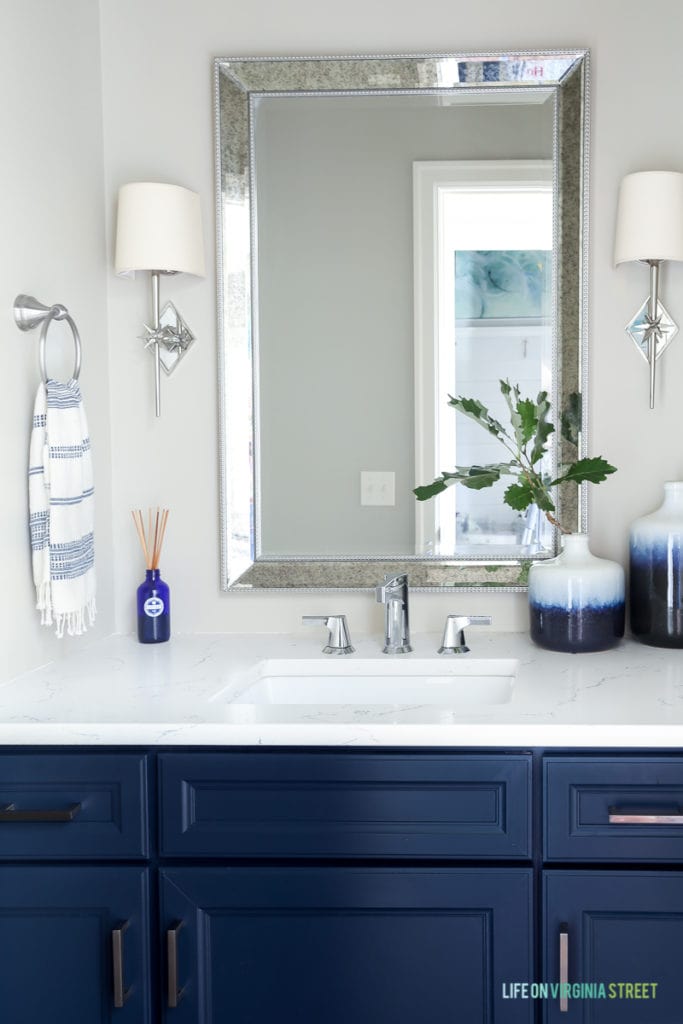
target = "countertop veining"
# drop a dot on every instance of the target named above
(121, 692)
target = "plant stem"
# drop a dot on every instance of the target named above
(533, 477)
(551, 519)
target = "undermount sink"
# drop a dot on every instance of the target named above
(368, 681)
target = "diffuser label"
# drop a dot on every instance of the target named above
(154, 607)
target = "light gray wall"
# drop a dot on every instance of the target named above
(51, 245)
(335, 210)
(159, 122)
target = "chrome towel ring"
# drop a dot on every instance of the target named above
(29, 313)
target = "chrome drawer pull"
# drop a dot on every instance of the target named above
(175, 994)
(564, 967)
(10, 813)
(617, 817)
(121, 993)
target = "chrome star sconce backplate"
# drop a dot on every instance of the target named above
(173, 336)
(662, 328)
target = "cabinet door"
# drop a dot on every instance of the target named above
(622, 927)
(345, 945)
(65, 950)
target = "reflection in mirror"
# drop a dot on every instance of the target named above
(485, 230)
(391, 231)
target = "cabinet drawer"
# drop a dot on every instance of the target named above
(351, 805)
(616, 809)
(70, 806)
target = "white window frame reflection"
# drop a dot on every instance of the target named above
(449, 198)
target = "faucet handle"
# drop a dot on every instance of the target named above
(339, 639)
(454, 632)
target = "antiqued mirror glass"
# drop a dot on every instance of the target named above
(392, 231)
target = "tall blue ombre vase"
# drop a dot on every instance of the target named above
(576, 601)
(656, 585)
(154, 609)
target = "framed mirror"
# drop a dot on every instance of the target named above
(393, 230)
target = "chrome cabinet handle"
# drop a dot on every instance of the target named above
(175, 994)
(564, 967)
(617, 817)
(121, 993)
(11, 813)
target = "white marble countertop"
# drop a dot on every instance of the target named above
(180, 693)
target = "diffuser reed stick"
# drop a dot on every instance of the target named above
(152, 539)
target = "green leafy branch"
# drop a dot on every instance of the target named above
(526, 442)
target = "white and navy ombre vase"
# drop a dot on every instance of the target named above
(656, 585)
(576, 601)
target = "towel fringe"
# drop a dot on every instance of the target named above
(44, 602)
(74, 622)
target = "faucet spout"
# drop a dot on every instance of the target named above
(393, 594)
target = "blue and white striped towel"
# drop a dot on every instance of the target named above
(61, 509)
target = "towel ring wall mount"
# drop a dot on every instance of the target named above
(29, 314)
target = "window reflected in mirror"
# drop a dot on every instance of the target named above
(484, 314)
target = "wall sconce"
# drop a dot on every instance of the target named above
(159, 228)
(650, 229)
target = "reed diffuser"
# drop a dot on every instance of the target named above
(153, 596)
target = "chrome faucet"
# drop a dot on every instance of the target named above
(339, 638)
(454, 632)
(393, 593)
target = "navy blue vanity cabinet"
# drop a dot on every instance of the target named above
(74, 945)
(349, 805)
(74, 907)
(328, 886)
(620, 928)
(335, 945)
(73, 805)
(613, 888)
(348, 905)
(613, 810)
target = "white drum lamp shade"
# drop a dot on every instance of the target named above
(159, 228)
(650, 217)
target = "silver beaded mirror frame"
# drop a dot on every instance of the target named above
(239, 84)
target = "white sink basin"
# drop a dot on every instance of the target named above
(369, 681)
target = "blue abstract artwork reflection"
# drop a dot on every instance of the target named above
(502, 284)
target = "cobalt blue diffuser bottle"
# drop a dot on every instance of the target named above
(153, 596)
(154, 609)
(576, 601)
(656, 585)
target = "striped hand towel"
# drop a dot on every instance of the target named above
(61, 509)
